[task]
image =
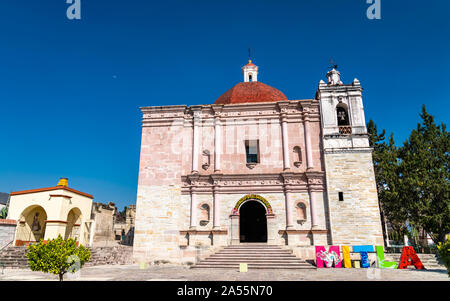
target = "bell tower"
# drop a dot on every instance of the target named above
(250, 71)
(351, 187)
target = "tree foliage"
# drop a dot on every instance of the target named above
(444, 253)
(4, 212)
(386, 167)
(57, 256)
(413, 180)
(425, 176)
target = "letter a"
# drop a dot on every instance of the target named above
(409, 257)
(74, 11)
(374, 11)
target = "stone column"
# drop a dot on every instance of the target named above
(193, 213)
(217, 143)
(216, 209)
(284, 134)
(312, 204)
(235, 239)
(309, 159)
(195, 140)
(289, 213)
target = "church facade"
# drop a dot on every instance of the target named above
(256, 167)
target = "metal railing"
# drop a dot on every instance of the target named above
(418, 249)
(345, 130)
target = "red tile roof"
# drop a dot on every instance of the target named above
(52, 188)
(251, 92)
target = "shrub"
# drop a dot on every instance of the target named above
(57, 256)
(444, 253)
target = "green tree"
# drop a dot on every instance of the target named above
(386, 168)
(4, 212)
(424, 177)
(444, 253)
(57, 256)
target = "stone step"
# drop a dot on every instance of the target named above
(254, 266)
(255, 257)
(253, 247)
(213, 261)
(255, 253)
(256, 250)
(13, 259)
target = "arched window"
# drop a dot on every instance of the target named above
(342, 115)
(250, 77)
(204, 214)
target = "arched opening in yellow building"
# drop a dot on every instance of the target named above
(31, 227)
(73, 224)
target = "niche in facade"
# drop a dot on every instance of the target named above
(206, 159)
(297, 156)
(301, 213)
(204, 214)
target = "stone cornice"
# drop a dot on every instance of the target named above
(311, 231)
(292, 111)
(255, 183)
(340, 88)
(345, 137)
(348, 150)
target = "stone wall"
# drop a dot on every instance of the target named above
(356, 219)
(163, 225)
(103, 216)
(7, 231)
(111, 255)
(160, 214)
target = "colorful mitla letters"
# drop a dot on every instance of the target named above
(332, 256)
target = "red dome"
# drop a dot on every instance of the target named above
(251, 92)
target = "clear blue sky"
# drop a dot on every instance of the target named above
(70, 90)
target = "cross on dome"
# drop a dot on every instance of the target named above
(250, 71)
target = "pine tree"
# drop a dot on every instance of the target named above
(424, 177)
(386, 167)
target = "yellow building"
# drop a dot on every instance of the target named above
(47, 212)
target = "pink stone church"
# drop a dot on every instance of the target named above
(256, 167)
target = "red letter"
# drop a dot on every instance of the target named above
(409, 257)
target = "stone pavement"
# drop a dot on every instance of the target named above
(174, 273)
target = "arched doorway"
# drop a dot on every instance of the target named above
(31, 226)
(252, 222)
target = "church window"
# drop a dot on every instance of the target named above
(252, 151)
(250, 77)
(341, 196)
